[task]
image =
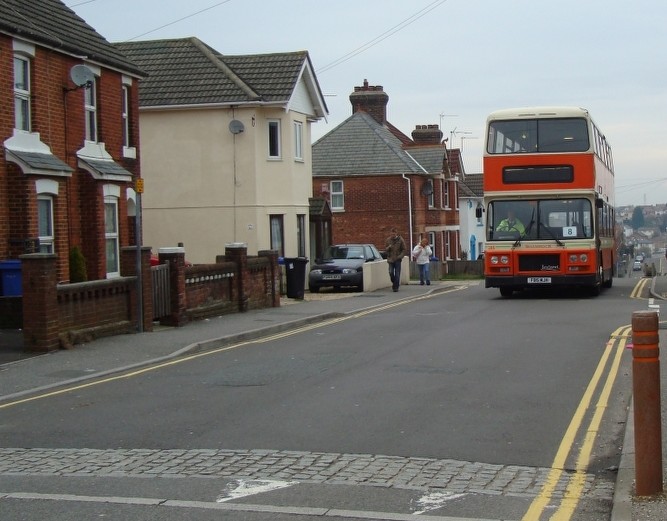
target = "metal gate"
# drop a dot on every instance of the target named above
(161, 291)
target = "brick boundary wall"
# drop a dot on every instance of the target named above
(61, 315)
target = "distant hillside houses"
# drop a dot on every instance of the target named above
(650, 211)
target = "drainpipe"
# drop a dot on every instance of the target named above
(409, 210)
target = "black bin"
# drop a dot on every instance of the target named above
(295, 268)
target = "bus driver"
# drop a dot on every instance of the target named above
(511, 224)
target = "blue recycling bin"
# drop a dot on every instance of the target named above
(10, 275)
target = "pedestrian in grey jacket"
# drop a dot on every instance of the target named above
(396, 250)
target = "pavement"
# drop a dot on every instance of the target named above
(24, 373)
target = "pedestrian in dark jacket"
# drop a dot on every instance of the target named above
(396, 250)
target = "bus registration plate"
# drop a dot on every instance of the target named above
(539, 280)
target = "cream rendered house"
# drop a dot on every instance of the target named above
(225, 147)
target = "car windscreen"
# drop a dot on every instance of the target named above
(344, 252)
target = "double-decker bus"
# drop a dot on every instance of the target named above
(549, 200)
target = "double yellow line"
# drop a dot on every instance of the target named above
(639, 287)
(572, 496)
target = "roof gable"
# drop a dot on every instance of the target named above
(361, 146)
(52, 24)
(186, 71)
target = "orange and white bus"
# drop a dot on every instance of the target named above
(549, 200)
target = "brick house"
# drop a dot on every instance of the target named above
(375, 178)
(226, 149)
(69, 130)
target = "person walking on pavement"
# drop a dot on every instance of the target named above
(396, 250)
(422, 255)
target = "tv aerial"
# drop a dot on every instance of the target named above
(81, 76)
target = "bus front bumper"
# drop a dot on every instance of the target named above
(540, 281)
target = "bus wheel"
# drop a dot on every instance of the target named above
(506, 292)
(596, 290)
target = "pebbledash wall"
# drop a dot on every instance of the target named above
(60, 315)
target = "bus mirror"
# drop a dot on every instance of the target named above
(599, 203)
(478, 213)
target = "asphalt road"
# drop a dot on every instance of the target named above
(458, 404)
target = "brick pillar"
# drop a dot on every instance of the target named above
(128, 268)
(175, 257)
(40, 302)
(237, 252)
(274, 274)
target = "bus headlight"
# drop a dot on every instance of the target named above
(582, 257)
(502, 259)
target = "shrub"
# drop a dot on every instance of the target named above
(77, 266)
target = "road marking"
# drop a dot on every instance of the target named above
(435, 500)
(289, 510)
(251, 487)
(639, 288)
(576, 483)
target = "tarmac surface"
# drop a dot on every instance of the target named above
(24, 373)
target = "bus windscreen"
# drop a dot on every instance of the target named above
(538, 135)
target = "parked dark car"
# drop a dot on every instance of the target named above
(342, 266)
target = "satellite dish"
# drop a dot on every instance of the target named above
(81, 75)
(236, 126)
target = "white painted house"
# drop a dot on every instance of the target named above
(225, 147)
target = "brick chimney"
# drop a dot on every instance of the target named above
(427, 135)
(371, 99)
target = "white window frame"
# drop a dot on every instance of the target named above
(337, 195)
(125, 115)
(111, 231)
(22, 116)
(46, 233)
(273, 139)
(277, 232)
(90, 110)
(301, 234)
(47, 190)
(298, 141)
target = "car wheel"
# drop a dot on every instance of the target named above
(314, 289)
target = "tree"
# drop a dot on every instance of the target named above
(638, 217)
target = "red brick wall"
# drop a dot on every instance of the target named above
(58, 117)
(375, 204)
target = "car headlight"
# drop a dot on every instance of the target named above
(316, 272)
(347, 271)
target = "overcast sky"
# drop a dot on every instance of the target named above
(451, 62)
